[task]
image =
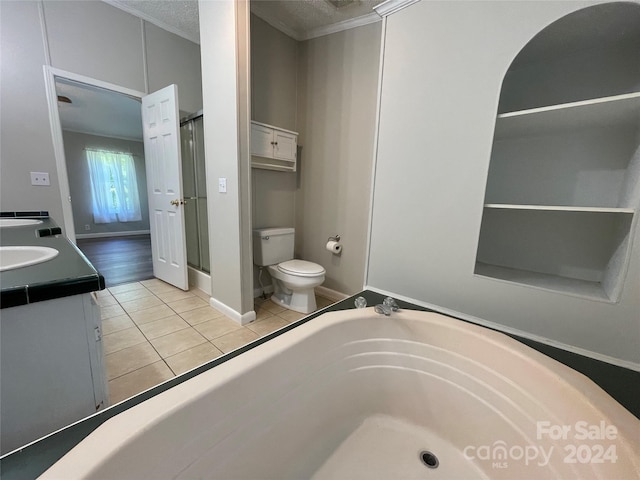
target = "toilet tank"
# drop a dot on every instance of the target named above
(272, 245)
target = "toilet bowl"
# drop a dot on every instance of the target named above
(294, 282)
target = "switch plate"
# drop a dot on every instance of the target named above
(40, 178)
(222, 185)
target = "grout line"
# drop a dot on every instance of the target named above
(163, 359)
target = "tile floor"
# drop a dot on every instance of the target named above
(153, 331)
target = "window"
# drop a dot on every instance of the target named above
(114, 188)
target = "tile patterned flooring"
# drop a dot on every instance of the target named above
(153, 331)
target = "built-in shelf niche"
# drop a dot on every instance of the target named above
(563, 186)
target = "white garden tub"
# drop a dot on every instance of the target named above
(354, 394)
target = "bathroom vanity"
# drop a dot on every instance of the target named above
(51, 362)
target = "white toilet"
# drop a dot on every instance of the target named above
(293, 280)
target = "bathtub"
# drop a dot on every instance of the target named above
(353, 394)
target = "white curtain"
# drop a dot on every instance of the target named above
(114, 187)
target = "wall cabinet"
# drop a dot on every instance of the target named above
(563, 185)
(273, 148)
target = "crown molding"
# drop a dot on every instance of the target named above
(392, 6)
(320, 31)
(278, 25)
(341, 26)
(155, 21)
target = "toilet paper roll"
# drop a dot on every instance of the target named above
(334, 247)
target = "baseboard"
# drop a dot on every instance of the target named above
(241, 318)
(129, 233)
(330, 294)
(199, 280)
(514, 331)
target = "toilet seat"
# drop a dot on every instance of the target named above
(301, 268)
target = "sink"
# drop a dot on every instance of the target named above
(18, 222)
(23, 256)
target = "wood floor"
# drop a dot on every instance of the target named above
(120, 259)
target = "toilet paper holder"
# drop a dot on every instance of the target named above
(335, 238)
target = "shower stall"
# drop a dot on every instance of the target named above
(195, 192)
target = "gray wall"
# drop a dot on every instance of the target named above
(79, 183)
(274, 91)
(25, 134)
(443, 67)
(274, 84)
(338, 83)
(326, 90)
(86, 38)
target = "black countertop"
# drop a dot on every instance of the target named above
(69, 273)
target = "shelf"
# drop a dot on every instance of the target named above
(543, 281)
(559, 208)
(599, 112)
(286, 166)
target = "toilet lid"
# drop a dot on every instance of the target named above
(301, 268)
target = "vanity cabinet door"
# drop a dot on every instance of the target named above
(48, 376)
(96, 353)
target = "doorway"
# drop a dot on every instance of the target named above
(197, 277)
(106, 126)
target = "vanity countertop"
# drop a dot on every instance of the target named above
(69, 273)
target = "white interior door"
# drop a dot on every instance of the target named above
(161, 127)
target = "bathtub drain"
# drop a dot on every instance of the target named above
(429, 459)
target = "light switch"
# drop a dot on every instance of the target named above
(222, 185)
(40, 178)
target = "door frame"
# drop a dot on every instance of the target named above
(50, 74)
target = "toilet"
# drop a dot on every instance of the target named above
(293, 280)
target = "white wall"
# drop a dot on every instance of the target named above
(80, 186)
(443, 67)
(338, 83)
(224, 27)
(87, 38)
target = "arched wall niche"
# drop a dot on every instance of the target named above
(591, 53)
(563, 187)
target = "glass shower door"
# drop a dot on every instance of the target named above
(195, 193)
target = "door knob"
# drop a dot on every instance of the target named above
(175, 203)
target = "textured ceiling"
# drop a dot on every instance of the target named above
(297, 18)
(101, 112)
(302, 18)
(98, 112)
(177, 16)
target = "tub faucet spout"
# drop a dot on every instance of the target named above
(382, 310)
(388, 305)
